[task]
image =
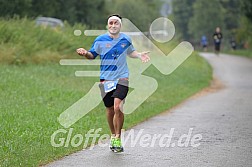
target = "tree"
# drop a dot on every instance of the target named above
(46, 8)
(140, 12)
(17, 8)
(244, 34)
(92, 13)
(232, 15)
(246, 6)
(182, 12)
(84, 11)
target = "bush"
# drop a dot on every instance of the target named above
(23, 42)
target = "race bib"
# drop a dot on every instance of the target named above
(109, 86)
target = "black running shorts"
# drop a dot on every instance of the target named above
(217, 46)
(120, 92)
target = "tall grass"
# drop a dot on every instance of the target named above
(22, 42)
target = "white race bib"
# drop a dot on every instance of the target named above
(109, 86)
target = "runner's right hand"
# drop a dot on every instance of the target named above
(81, 51)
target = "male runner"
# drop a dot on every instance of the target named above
(113, 48)
(217, 36)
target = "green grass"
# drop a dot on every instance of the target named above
(33, 96)
(243, 52)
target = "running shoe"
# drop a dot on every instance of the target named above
(112, 139)
(117, 145)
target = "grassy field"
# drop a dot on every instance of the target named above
(33, 96)
(34, 92)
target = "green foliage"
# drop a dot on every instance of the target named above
(84, 11)
(182, 12)
(246, 8)
(92, 13)
(16, 7)
(140, 12)
(23, 42)
(244, 33)
(231, 13)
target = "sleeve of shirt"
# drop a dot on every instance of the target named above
(94, 48)
(131, 48)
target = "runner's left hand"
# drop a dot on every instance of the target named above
(144, 56)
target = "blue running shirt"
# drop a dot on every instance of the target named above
(113, 53)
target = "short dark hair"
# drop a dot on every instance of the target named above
(117, 15)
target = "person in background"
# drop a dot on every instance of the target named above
(233, 43)
(217, 37)
(204, 43)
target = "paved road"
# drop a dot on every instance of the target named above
(217, 125)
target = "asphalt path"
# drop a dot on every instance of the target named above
(212, 128)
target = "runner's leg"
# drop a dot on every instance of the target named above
(110, 116)
(118, 117)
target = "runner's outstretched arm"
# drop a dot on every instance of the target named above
(141, 55)
(84, 52)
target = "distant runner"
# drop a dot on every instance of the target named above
(217, 36)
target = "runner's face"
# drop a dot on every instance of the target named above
(114, 26)
(218, 29)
